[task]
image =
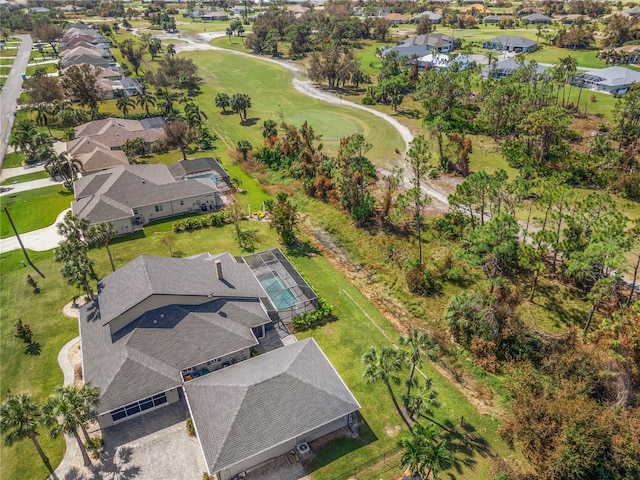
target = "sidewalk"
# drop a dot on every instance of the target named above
(17, 171)
(32, 185)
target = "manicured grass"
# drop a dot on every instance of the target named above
(33, 209)
(13, 159)
(27, 177)
(8, 52)
(230, 73)
(186, 26)
(36, 374)
(5, 69)
(50, 67)
(367, 56)
(550, 54)
(230, 43)
(6, 61)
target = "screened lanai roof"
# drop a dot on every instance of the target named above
(286, 288)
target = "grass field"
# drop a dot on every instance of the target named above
(33, 209)
(226, 72)
(550, 54)
(27, 177)
(50, 67)
(13, 159)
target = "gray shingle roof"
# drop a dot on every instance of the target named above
(199, 165)
(135, 186)
(146, 276)
(512, 41)
(613, 76)
(257, 404)
(147, 356)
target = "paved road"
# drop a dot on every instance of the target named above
(11, 91)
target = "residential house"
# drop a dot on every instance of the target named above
(507, 67)
(615, 80)
(372, 12)
(475, 9)
(183, 329)
(90, 57)
(510, 43)
(438, 61)
(297, 10)
(633, 12)
(573, 18)
(98, 144)
(130, 196)
(239, 10)
(624, 54)
(397, 18)
(215, 15)
(537, 18)
(495, 19)
(420, 45)
(432, 16)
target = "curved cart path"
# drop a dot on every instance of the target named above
(306, 87)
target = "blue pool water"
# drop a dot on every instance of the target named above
(211, 176)
(278, 293)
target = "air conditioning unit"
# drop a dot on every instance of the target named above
(303, 449)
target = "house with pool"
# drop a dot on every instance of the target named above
(208, 331)
(130, 196)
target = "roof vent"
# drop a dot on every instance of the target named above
(218, 269)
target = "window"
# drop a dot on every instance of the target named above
(139, 406)
(159, 208)
(181, 202)
(135, 211)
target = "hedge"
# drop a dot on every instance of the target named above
(216, 219)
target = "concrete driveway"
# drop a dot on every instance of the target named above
(153, 446)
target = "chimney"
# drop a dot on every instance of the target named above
(218, 269)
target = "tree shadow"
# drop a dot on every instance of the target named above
(412, 113)
(249, 122)
(228, 112)
(548, 298)
(327, 452)
(74, 474)
(33, 348)
(301, 249)
(464, 443)
(116, 465)
(178, 254)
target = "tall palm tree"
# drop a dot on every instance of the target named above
(383, 366)
(19, 419)
(145, 98)
(193, 115)
(63, 414)
(437, 457)
(171, 49)
(421, 400)
(413, 456)
(125, 103)
(222, 101)
(62, 165)
(77, 271)
(43, 112)
(83, 399)
(23, 135)
(569, 65)
(419, 343)
(100, 235)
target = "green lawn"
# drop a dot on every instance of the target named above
(33, 209)
(230, 73)
(27, 177)
(13, 159)
(50, 67)
(6, 61)
(549, 54)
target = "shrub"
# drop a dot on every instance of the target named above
(191, 431)
(423, 282)
(24, 333)
(368, 100)
(94, 443)
(216, 219)
(311, 318)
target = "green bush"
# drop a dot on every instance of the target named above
(311, 318)
(94, 443)
(216, 219)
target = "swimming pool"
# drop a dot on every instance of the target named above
(278, 293)
(211, 176)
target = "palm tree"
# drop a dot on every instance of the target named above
(193, 115)
(383, 366)
(239, 103)
(421, 400)
(244, 147)
(124, 103)
(19, 419)
(145, 98)
(77, 271)
(83, 399)
(171, 49)
(23, 135)
(569, 66)
(63, 413)
(413, 456)
(222, 101)
(438, 456)
(419, 343)
(62, 165)
(42, 115)
(100, 235)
